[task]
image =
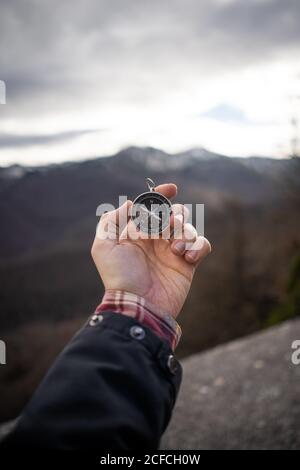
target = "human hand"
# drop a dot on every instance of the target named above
(159, 270)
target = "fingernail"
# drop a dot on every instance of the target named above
(180, 247)
(192, 254)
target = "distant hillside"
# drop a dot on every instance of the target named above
(46, 204)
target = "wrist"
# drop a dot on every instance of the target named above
(135, 306)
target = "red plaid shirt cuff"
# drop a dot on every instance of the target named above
(132, 305)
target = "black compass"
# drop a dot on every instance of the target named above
(151, 211)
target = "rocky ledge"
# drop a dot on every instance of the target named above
(241, 395)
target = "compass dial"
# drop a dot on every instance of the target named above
(151, 212)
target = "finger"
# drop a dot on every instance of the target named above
(199, 250)
(131, 232)
(112, 223)
(184, 237)
(121, 215)
(168, 190)
(181, 209)
(180, 214)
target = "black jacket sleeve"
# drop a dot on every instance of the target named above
(113, 387)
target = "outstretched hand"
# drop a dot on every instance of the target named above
(159, 270)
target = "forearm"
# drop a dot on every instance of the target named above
(109, 389)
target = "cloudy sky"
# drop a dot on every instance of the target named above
(86, 78)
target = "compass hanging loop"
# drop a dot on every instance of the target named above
(151, 211)
(150, 184)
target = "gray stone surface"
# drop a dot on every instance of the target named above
(242, 395)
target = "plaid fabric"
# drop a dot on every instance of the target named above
(137, 307)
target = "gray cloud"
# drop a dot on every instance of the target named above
(8, 140)
(59, 55)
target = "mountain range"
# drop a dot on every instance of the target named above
(40, 206)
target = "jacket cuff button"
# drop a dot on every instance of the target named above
(95, 319)
(172, 364)
(137, 332)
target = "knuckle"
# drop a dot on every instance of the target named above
(190, 232)
(180, 209)
(104, 217)
(207, 245)
(202, 245)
